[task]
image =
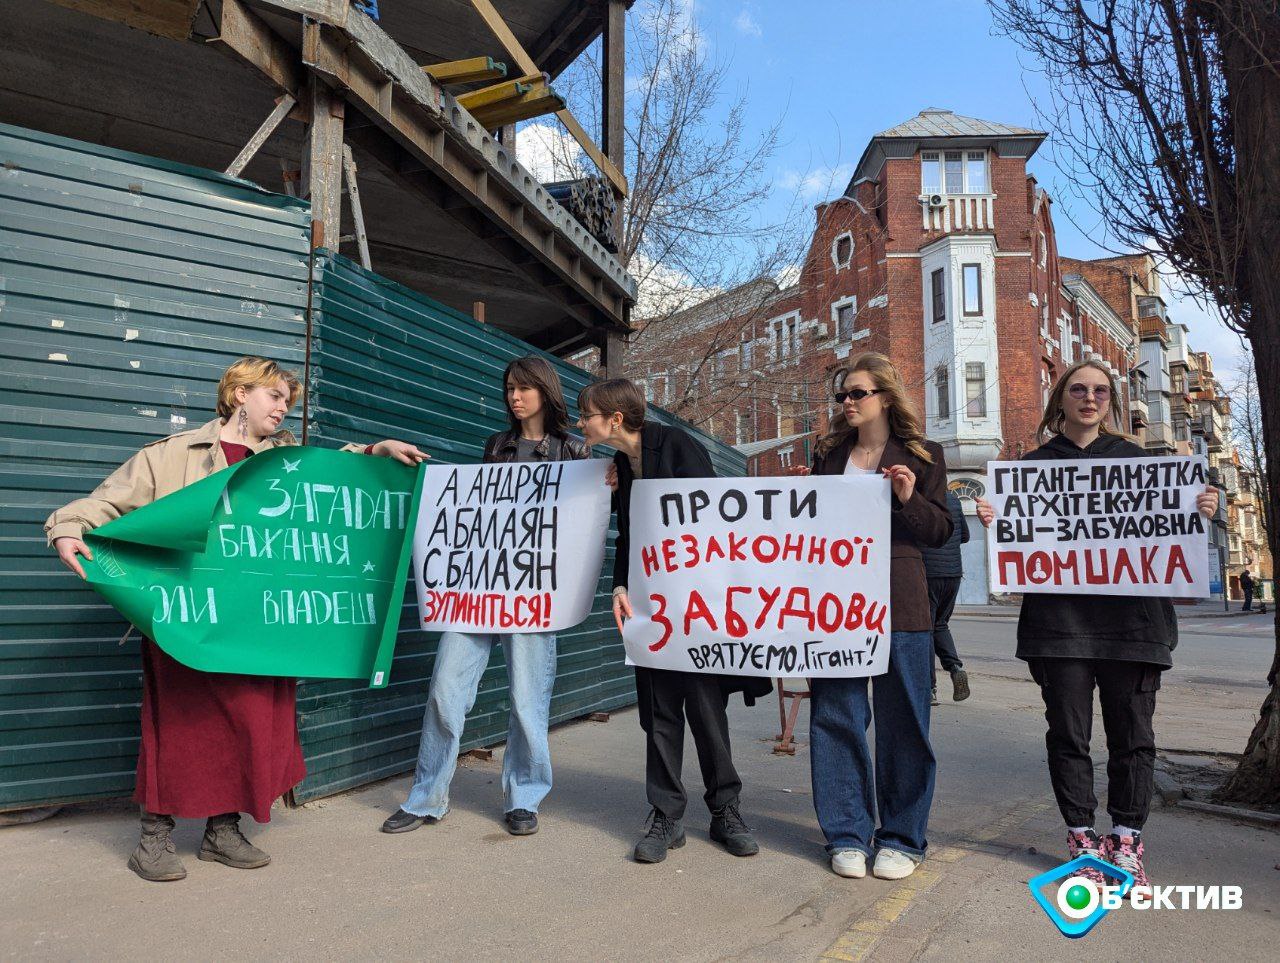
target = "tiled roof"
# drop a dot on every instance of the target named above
(935, 122)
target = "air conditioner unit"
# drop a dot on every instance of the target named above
(937, 200)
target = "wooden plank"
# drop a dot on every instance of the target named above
(324, 155)
(260, 136)
(494, 21)
(467, 71)
(613, 81)
(357, 212)
(533, 104)
(246, 35)
(163, 18)
(497, 93)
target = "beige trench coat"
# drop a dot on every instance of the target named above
(159, 469)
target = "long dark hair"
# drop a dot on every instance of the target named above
(533, 371)
(904, 419)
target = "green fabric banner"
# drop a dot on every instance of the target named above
(290, 563)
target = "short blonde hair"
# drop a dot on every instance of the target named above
(251, 372)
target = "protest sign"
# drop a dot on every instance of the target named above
(770, 577)
(290, 563)
(1098, 526)
(510, 548)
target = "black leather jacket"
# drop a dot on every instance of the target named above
(501, 448)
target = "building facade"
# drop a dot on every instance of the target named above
(942, 254)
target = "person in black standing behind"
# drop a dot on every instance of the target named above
(613, 413)
(1246, 586)
(944, 568)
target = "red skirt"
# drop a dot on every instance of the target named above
(214, 743)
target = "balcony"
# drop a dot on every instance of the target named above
(958, 212)
(1139, 414)
(1154, 327)
(1160, 438)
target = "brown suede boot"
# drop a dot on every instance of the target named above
(224, 843)
(155, 859)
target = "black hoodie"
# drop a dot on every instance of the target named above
(1125, 628)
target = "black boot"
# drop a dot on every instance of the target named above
(664, 833)
(224, 843)
(155, 859)
(728, 829)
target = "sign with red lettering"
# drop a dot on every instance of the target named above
(510, 548)
(1099, 526)
(760, 576)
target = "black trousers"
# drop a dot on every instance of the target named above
(1248, 600)
(1127, 691)
(942, 601)
(666, 699)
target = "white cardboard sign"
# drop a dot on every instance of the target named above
(510, 548)
(1098, 526)
(760, 576)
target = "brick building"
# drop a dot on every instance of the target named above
(941, 253)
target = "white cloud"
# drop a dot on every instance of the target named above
(788, 276)
(550, 153)
(664, 290)
(819, 182)
(747, 24)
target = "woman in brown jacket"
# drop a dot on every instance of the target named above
(878, 433)
(213, 745)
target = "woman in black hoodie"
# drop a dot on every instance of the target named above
(1120, 644)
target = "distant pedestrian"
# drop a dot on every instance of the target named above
(943, 568)
(1246, 585)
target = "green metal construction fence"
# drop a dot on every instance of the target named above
(127, 284)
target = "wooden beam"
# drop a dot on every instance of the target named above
(163, 18)
(259, 138)
(324, 156)
(570, 21)
(466, 71)
(613, 93)
(357, 212)
(538, 101)
(497, 93)
(246, 35)
(494, 21)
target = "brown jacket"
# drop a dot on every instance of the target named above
(160, 468)
(924, 520)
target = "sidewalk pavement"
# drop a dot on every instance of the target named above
(465, 889)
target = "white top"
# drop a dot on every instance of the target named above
(851, 469)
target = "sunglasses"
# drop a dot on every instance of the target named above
(857, 394)
(1079, 391)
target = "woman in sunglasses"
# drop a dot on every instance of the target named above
(878, 433)
(1120, 644)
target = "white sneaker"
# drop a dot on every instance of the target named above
(891, 864)
(850, 863)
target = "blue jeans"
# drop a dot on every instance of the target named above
(840, 760)
(526, 764)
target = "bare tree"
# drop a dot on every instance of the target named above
(1246, 432)
(1164, 115)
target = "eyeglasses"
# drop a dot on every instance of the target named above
(1080, 391)
(857, 394)
(594, 414)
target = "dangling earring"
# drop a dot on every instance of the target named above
(242, 424)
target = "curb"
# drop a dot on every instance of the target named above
(1252, 816)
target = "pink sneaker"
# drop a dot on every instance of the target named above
(1126, 852)
(1087, 843)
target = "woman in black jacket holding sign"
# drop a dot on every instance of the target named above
(1120, 644)
(613, 413)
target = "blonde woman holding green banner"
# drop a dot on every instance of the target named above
(213, 745)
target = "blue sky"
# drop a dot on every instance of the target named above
(839, 72)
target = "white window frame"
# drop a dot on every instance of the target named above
(940, 157)
(784, 456)
(942, 391)
(982, 396)
(835, 243)
(784, 336)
